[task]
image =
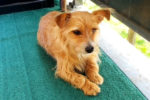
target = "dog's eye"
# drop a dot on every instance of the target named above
(94, 30)
(77, 32)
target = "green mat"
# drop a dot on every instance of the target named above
(26, 70)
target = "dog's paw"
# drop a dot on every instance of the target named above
(90, 88)
(96, 78)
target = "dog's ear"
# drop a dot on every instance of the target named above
(101, 14)
(63, 19)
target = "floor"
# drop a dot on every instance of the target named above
(131, 61)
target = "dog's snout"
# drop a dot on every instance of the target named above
(89, 49)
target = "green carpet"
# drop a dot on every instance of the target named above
(26, 70)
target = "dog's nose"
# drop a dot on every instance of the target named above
(89, 49)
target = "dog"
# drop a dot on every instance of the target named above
(71, 39)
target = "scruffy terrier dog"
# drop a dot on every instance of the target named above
(71, 39)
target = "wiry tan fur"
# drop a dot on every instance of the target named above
(56, 36)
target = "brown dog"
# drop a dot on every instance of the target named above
(71, 38)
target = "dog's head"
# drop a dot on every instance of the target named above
(80, 30)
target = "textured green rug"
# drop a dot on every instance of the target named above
(26, 70)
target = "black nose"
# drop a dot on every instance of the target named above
(89, 49)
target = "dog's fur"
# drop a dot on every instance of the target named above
(65, 36)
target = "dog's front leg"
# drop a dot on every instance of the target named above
(65, 71)
(92, 71)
